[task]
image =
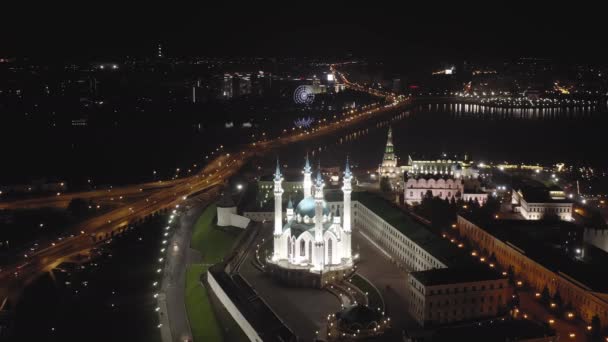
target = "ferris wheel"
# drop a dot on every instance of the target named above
(303, 95)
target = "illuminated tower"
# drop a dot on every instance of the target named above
(319, 249)
(278, 215)
(307, 185)
(388, 168)
(347, 189)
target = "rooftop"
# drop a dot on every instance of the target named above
(494, 330)
(454, 275)
(536, 192)
(440, 248)
(431, 176)
(437, 156)
(533, 238)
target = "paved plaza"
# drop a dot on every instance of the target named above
(305, 311)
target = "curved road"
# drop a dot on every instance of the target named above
(19, 270)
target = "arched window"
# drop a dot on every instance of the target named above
(293, 248)
(329, 251)
(302, 248)
(288, 247)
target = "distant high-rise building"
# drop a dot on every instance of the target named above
(242, 85)
(316, 85)
(258, 81)
(160, 51)
(396, 85)
(226, 88)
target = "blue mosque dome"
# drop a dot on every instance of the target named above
(306, 207)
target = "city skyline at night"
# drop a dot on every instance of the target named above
(319, 172)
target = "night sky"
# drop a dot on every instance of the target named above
(409, 32)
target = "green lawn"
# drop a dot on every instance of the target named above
(203, 322)
(213, 244)
(374, 298)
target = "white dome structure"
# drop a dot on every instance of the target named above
(312, 239)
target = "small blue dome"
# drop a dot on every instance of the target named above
(306, 207)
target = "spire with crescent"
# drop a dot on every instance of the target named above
(319, 179)
(347, 172)
(277, 173)
(307, 167)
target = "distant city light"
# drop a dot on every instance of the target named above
(303, 95)
(304, 122)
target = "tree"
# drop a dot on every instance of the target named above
(511, 274)
(385, 185)
(557, 299)
(550, 216)
(545, 297)
(476, 203)
(492, 258)
(595, 328)
(568, 307)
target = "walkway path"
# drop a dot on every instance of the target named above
(304, 310)
(389, 279)
(172, 295)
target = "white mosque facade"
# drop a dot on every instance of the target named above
(310, 242)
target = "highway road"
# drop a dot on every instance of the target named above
(61, 200)
(21, 268)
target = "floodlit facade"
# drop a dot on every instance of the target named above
(533, 205)
(389, 168)
(310, 238)
(417, 188)
(441, 166)
(443, 296)
(444, 187)
(538, 267)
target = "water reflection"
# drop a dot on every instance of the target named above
(539, 135)
(492, 112)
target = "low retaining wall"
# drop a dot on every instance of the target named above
(254, 317)
(232, 309)
(305, 278)
(259, 216)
